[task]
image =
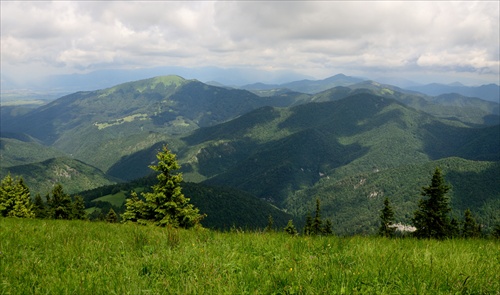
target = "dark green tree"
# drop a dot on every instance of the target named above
(496, 231)
(454, 228)
(167, 205)
(317, 224)
(270, 224)
(60, 205)
(470, 228)
(290, 228)
(328, 228)
(112, 217)
(78, 209)
(431, 218)
(39, 207)
(308, 226)
(386, 228)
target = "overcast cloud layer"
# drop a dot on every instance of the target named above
(446, 41)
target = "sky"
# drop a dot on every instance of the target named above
(424, 41)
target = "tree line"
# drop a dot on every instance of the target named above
(16, 201)
(166, 205)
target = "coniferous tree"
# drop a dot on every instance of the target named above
(270, 224)
(290, 228)
(470, 228)
(7, 192)
(317, 224)
(454, 228)
(328, 228)
(387, 220)
(167, 205)
(15, 198)
(112, 217)
(60, 205)
(39, 207)
(308, 226)
(78, 209)
(23, 206)
(496, 231)
(134, 208)
(431, 219)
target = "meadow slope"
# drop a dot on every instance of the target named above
(75, 257)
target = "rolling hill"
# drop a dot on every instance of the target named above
(340, 137)
(73, 175)
(283, 147)
(132, 116)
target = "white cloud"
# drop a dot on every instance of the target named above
(315, 38)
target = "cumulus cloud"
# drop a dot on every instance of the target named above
(315, 38)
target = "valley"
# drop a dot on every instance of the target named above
(345, 141)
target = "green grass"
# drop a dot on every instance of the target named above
(75, 257)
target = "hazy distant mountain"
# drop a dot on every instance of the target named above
(107, 78)
(307, 86)
(489, 92)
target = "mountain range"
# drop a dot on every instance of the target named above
(343, 140)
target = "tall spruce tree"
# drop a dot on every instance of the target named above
(431, 218)
(386, 228)
(317, 223)
(308, 225)
(167, 205)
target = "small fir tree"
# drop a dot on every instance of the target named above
(270, 224)
(317, 228)
(387, 220)
(470, 228)
(496, 231)
(39, 207)
(328, 228)
(23, 206)
(15, 198)
(7, 193)
(60, 205)
(308, 225)
(290, 228)
(112, 217)
(431, 219)
(134, 208)
(454, 228)
(78, 210)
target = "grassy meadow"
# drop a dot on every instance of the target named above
(78, 257)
